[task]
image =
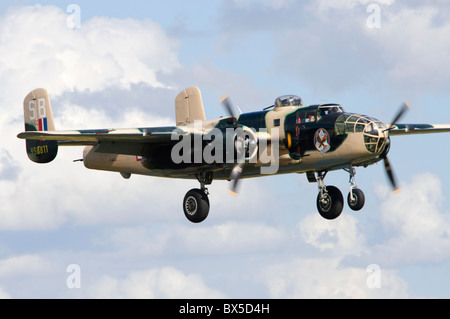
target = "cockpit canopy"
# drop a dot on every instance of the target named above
(288, 100)
(327, 109)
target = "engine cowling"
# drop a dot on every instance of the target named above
(241, 145)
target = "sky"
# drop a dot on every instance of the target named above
(69, 232)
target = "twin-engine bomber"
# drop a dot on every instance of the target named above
(287, 137)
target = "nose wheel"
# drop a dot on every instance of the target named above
(355, 198)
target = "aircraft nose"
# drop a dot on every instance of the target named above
(375, 136)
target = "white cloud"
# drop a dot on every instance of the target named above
(413, 47)
(24, 265)
(418, 226)
(334, 41)
(232, 237)
(338, 237)
(4, 294)
(324, 5)
(225, 238)
(325, 278)
(155, 283)
(38, 49)
(273, 4)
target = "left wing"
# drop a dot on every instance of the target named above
(114, 141)
(406, 129)
(89, 137)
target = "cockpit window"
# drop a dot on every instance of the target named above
(288, 100)
(371, 129)
(325, 110)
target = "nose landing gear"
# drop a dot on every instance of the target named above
(330, 202)
(355, 198)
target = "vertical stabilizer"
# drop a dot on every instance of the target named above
(38, 116)
(189, 106)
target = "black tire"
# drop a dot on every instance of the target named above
(196, 205)
(358, 199)
(330, 205)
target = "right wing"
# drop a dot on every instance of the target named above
(407, 129)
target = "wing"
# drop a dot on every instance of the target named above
(406, 129)
(115, 141)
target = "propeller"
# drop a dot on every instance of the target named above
(390, 175)
(403, 108)
(235, 176)
(238, 169)
(225, 100)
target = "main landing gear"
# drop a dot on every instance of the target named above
(196, 202)
(330, 201)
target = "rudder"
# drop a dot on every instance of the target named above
(189, 106)
(38, 116)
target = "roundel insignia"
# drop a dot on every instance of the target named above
(322, 141)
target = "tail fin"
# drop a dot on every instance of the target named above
(189, 106)
(39, 117)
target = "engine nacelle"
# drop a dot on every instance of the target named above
(245, 144)
(230, 145)
(125, 164)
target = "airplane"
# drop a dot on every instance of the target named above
(286, 137)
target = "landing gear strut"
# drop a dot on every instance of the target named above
(329, 200)
(355, 198)
(196, 202)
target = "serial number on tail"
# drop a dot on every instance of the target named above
(39, 150)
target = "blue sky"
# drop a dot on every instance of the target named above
(123, 68)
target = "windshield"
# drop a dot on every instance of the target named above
(325, 110)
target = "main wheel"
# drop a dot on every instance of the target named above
(330, 203)
(196, 205)
(358, 200)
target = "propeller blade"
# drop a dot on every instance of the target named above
(390, 175)
(236, 174)
(225, 100)
(403, 108)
